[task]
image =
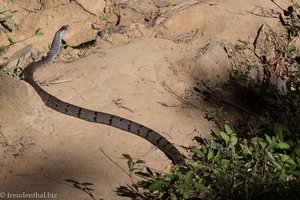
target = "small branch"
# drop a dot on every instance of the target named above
(175, 9)
(115, 163)
(19, 54)
(176, 96)
(236, 106)
(84, 8)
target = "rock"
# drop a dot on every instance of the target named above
(210, 64)
(161, 3)
(23, 115)
(50, 16)
(92, 6)
(279, 84)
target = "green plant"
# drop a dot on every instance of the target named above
(6, 20)
(37, 55)
(260, 157)
(292, 24)
(39, 31)
(17, 69)
(132, 164)
(102, 15)
(233, 168)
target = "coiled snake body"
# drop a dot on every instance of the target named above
(94, 116)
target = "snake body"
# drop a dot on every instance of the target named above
(94, 116)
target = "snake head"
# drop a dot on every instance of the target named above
(60, 33)
(64, 28)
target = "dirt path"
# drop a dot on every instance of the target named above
(128, 72)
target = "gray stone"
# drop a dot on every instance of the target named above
(23, 114)
(161, 3)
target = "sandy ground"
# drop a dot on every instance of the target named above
(133, 73)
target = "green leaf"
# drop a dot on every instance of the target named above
(129, 162)
(204, 149)
(273, 160)
(128, 157)
(39, 31)
(156, 185)
(224, 136)
(272, 142)
(188, 182)
(198, 151)
(233, 140)
(2, 47)
(11, 41)
(287, 159)
(210, 155)
(284, 157)
(228, 129)
(217, 156)
(188, 178)
(173, 196)
(271, 157)
(102, 15)
(140, 161)
(262, 144)
(246, 150)
(268, 139)
(283, 145)
(3, 10)
(296, 172)
(224, 162)
(3, 19)
(199, 186)
(9, 23)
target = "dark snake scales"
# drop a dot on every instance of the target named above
(94, 116)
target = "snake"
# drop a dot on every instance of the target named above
(95, 116)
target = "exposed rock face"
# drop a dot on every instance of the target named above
(50, 15)
(23, 115)
(138, 69)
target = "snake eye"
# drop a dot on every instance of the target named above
(65, 27)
